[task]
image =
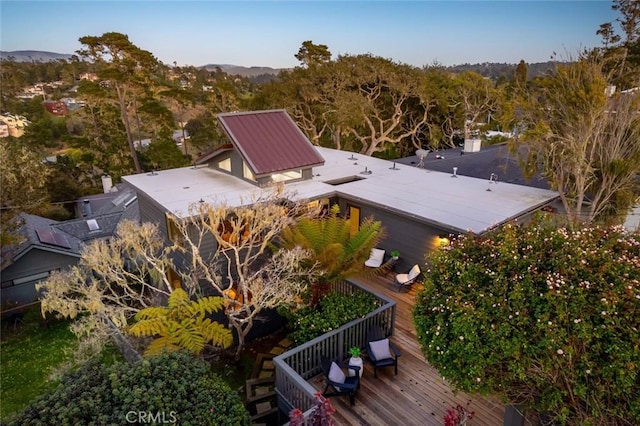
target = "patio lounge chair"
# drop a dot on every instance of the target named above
(381, 352)
(375, 259)
(336, 379)
(406, 280)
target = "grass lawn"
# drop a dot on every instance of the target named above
(28, 353)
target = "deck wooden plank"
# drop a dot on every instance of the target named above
(418, 395)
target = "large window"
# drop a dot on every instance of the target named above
(225, 165)
(174, 279)
(354, 220)
(28, 279)
(173, 232)
(290, 175)
(246, 172)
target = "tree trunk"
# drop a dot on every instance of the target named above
(127, 127)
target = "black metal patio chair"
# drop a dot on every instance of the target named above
(381, 352)
(341, 383)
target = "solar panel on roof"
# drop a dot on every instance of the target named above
(47, 236)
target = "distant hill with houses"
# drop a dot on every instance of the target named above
(32, 56)
(259, 74)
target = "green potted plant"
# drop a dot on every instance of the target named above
(355, 352)
(355, 360)
(395, 254)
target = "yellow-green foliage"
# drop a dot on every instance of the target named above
(339, 253)
(183, 324)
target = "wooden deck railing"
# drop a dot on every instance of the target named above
(295, 367)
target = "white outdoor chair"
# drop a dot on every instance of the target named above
(375, 259)
(406, 280)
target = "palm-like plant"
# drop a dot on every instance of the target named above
(183, 324)
(339, 252)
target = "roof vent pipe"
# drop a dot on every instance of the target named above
(86, 206)
(493, 179)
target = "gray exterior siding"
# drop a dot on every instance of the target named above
(414, 239)
(411, 238)
(152, 212)
(34, 262)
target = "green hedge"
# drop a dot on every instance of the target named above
(171, 388)
(332, 312)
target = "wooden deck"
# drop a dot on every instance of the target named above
(417, 395)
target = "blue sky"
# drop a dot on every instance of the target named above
(269, 33)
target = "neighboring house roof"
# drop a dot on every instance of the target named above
(461, 204)
(67, 237)
(121, 199)
(90, 228)
(269, 141)
(490, 159)
(40, 233)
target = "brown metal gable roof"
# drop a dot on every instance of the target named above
(269, 141)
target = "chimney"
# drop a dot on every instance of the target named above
(107, 183)
(86, 208)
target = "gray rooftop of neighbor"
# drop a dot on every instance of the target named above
(33, 229)
(490, 159)
(457, 204)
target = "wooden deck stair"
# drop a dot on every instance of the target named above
(261, 398)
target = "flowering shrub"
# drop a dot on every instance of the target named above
(458, 416)
(546, 317)
(332, 312)
(321, 414)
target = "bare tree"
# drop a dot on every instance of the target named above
(242, 267)
(587, 143)
(113, 281)
(116, 279)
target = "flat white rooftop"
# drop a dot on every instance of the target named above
(460, 203)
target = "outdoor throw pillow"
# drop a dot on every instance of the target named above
(380, 349)
(335, 374)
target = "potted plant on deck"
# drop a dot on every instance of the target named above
(395, 254)
(355, 360)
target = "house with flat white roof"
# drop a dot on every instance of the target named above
(418, 207)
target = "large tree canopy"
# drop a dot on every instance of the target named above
(544, 317)
(125, 69)
(23, 175)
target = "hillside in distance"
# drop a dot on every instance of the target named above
(260, 74)
(243, 71)
(33, 56)
(495, 70)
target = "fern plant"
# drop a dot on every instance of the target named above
(183, 324)
(339, 253)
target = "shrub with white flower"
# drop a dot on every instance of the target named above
(551, 322)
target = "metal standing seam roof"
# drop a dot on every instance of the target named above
(269, 141)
